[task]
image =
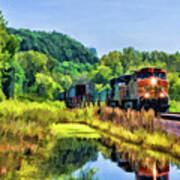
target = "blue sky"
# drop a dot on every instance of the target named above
(106, 25)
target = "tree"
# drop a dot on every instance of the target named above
(8, 47)
(130, 57)
(101, 75)
(174, 86)
(113, 61)
(46, 87)
(32, 63)
(63, 80)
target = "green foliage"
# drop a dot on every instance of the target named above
(19, 78)
(34, 74)
(64, 81)
(56, 45)
(101, 74)
(8, 47)
(131, 59)
(32, 63)
(174, 106)
(113, 60)
(174, 86)
(46, 86)
(86, 174)
(2, 96)
(68, 155)
(74, 70)
(68, 74)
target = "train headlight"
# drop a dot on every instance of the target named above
(153, 81)
(147, 95)
(162, 95)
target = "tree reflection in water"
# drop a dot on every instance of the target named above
(69, 155)
(59, 158)
(144, 166)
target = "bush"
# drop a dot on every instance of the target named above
(2, 96)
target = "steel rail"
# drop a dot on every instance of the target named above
(171, 116)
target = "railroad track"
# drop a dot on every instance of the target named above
(171, 116)
(171, 123)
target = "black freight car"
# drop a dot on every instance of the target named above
(79, 95)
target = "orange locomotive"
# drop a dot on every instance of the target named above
(146, 88)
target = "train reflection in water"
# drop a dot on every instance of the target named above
(145, 168)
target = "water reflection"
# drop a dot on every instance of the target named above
(114, 160)
(144, 167)
(68, 155)
(149, 169)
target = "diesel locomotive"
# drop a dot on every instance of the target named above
(146, 88)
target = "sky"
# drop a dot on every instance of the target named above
(106, 25)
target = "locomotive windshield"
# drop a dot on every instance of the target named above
(160, 75)
(144, 75)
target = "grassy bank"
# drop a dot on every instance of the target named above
(137, 128)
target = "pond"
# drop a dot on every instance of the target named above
(72, 157)
(126, 163)
(109, 159)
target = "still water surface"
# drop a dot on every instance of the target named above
(115, 162)
(109, 170)
(69, 157)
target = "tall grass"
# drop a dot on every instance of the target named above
(130, 120)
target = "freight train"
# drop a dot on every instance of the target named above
(146, 88)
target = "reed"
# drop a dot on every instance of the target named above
(134, 127)
(131, 120)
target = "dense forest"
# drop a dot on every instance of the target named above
(39, 65)
(54, 44)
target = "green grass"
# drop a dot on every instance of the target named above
(174, 106)
(159, 141)
(74, 130)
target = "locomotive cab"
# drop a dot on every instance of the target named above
(152, 89)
